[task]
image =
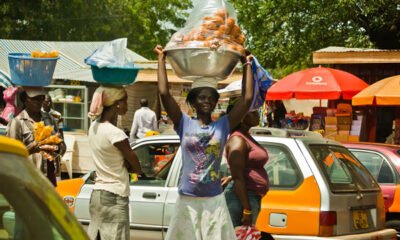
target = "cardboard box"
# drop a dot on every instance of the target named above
(344, 120)
(344, 127)
(353, 138)
(343, 132)
(330, 120)
(342, 138)
(332, 137)
(330, 127)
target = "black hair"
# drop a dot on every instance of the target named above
(193, 93)
(144, 102)
(21, 99)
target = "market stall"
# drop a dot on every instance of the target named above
(383, 96)
(321, 83)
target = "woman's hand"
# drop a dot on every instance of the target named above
(225, 181)
(249, 58)
(246, 220)
(49, 148)
(159, 51)
(245, 58)
(33, 148)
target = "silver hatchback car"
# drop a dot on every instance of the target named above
(318, 190)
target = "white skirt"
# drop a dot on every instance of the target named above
(201, 218)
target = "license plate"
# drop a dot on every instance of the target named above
(360, 219)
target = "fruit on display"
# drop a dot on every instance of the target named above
(218, 30)
(44, 54)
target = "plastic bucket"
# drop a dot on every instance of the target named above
(28, 71)
(115, 75)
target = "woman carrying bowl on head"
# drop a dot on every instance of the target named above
(22, 128)
(201, 211)
(113, 159)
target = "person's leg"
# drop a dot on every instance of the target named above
(233, 204)
(115, 216)
(94, 210)
(185, 220)
(216, 222)
(51, 172)
(255, 204)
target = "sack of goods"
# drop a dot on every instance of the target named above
(210, 44)
(110, 64)
(32, 69)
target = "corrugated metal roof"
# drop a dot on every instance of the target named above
(72, 54)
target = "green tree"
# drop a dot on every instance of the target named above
(144, 23)
(283, 34)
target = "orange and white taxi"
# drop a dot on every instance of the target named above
(318, 190)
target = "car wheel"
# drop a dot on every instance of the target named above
(395, 224)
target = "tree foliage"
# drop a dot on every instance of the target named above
(283, 34)
(144, 23)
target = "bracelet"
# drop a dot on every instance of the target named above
(247, 63)
(247, 212)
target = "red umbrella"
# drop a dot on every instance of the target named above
(316, 83)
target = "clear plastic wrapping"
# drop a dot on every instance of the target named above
(212, 24)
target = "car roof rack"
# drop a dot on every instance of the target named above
(278, 132)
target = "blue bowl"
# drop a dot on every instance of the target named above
(115, 75)
(28, 71)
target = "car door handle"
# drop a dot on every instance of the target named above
(151, 195)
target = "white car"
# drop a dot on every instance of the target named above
(318, 190)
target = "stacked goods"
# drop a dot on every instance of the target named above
(32, 69)
(45, 140)
(43, 54)
(210, 44)
(215, 30)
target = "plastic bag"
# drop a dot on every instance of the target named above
(247, 233)
(262, 82)
(111, 54)
(211, 24)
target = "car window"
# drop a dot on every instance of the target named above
(156, 160)
(22, 218)
(281, 168)
(342, 170)
(376, 164)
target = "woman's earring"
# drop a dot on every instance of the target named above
(117, 106)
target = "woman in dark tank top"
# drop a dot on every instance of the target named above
(246, 159)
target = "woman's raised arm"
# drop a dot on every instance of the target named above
(169, 103)
(243, 105)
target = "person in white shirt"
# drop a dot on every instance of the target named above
(114, 159)
(144, 120)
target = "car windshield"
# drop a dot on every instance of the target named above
(342, 170)
(31, 211)
(23, 217)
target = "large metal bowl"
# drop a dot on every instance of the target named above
(195, 63)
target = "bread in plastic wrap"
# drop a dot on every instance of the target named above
(211, 24)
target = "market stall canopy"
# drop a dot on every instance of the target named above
(317, 83)
(385, 92)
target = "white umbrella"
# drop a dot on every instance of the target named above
(233, 89)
